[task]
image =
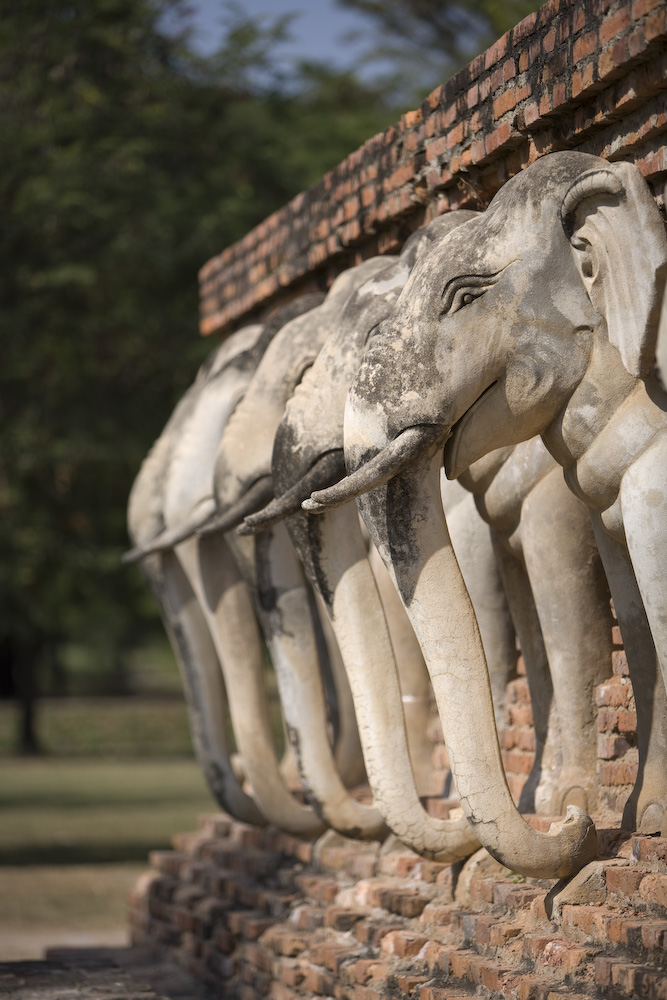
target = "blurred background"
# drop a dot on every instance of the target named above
(140, 137)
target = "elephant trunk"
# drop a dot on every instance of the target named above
(406, 523)
(327, 469)
(285, 612)
(397, 455)
(334, 555)
(168, 538)
(226, 601)
(252, 500)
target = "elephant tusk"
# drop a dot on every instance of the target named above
(173, 536)
(328, 469)
(260, 493)
(392, 459)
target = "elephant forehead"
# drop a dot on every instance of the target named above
(392, 374)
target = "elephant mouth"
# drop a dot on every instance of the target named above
(457, 447)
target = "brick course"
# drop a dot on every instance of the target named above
(488, 932)
(578, 74)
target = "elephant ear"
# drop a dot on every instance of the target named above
(614, 225)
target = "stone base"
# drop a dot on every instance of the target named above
(264, 914)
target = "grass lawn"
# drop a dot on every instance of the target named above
(74, 836)
(138, 726)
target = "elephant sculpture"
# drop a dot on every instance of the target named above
(181, 614)
(243, 481)
(526, 491)
(541, 317)
(205, 602)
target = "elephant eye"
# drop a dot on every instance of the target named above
(374, 330)
(464, 298)
(465, 288)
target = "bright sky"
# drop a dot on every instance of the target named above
(318, 31)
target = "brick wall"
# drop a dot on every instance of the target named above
(259, 914)
(578, 74)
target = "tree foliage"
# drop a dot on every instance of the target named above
(424, 42)
(128, 160)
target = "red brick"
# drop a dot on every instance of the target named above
(329, 954)
(436, 147)
(611, 747)
(367, 992)
(656, 26)
(549, 41)
(307, 918)
(372, 932)
(524, 28)
(455, 136)
(564, 955)
(496, 79)
(284, 942)
(496, 51)
(402, 943)
(318, 981)
(654, 935)
(612, 59)
(439, 993)
(506, 102)
(584, 46)
(619, 662)
(289, 974)
(411, 118)
(402, 175)
(428, 871)
(448, 116)
(614, 25)
(578, 19)
(434, 98)
(407, 903)
(517, 762)
(400, 864)
(613, 693)
(340, 918)
(491, 975)
(435, 956)
(558, 95)
(642, 7)
(653, 889)
(459, 963)
(623, 881)
(278, 991)
(534, 944)
(408, 981)
(618, 773)
(501, 933)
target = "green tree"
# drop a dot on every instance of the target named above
(424, 42)
(127, 161)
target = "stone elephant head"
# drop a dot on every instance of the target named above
(539, 317)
